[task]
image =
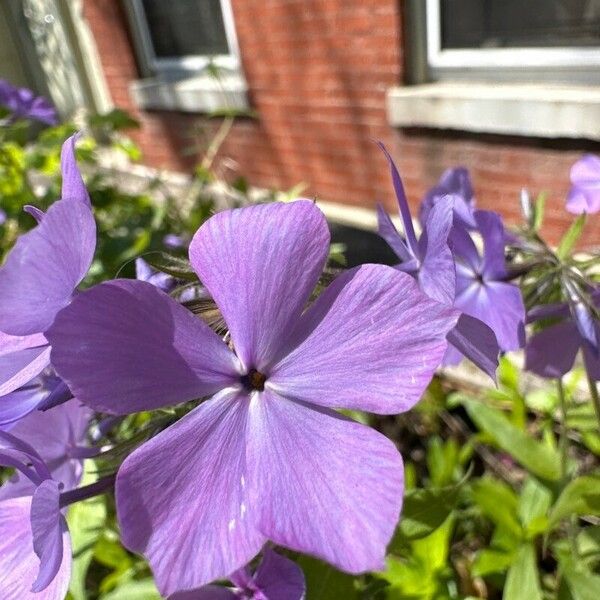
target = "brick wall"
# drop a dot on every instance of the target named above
(318, 71)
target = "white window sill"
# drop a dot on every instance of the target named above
(514, 109)
(199, 94)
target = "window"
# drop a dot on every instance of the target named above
(182, 36)
(549, 40)
(176, 42)
(513, 67)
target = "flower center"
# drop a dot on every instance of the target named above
(254, 380)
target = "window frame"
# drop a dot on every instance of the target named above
(545, 64)
(190, 64)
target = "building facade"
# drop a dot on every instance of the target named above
(508, 89)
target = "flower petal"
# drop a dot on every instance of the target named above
(182, 498)
(53, 434)
(387, 230)
(437, 276)
(473, 339)
(491, 228)
(18, 405)
(279, 578)
(405, 216)
(19, 565)
(371, 341)
(500, 306)
(326, 486)
(72, 182)
(126, 346)
(45, 266)
(207, 592)
(48, 527)
(21, 367)
(260, 264)
(551, 352)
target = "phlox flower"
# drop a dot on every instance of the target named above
(267, 456)
(276, 578)
(37, 279)
(482, 289)
(551, 352)
(584, 195)
(35, 552)
(430, 259)
(23, 103)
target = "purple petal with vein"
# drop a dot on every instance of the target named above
(72, 182)
(325, 485)
(491, 228)
(387, 230)
(409, 230)
(437, 276)
(45, 266)
(473, 339)
(260, 264)
(18, 368)
(48, 527)
(498, 305)
(125, 346)
(19, 566)
(371, 341)
(18, 404)
(54, 433)
(183, 500)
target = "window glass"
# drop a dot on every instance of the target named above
(519, 23)
(186, 27)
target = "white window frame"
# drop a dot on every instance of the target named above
(559, 57)
(190, 63)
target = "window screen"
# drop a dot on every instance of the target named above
(472, 24)
(186, 27)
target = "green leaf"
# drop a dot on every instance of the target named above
(491, 560)
(86, 520)
(498, 502)
(534, 502)
(540, 459)
(523, 580)
(424, 510)
(145, 589)
(323, 582)
(539, 208)
(179, 268)
(583, 584)
(570, 238)
(580, 497)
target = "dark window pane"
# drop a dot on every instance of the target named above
(519, 23)
(186, 27)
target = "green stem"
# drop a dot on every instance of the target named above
(563, 445)
(594, 395)
(564, 439)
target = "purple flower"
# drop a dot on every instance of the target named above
(584, 195)
(429, 259)
(144, 272)
(551, 352)
(456, 183)
(481, 287)
(37, 280)
(2, 216)
(276, 578)
(172, 240)
(24, 104)
(35, 549)
(266, 457)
